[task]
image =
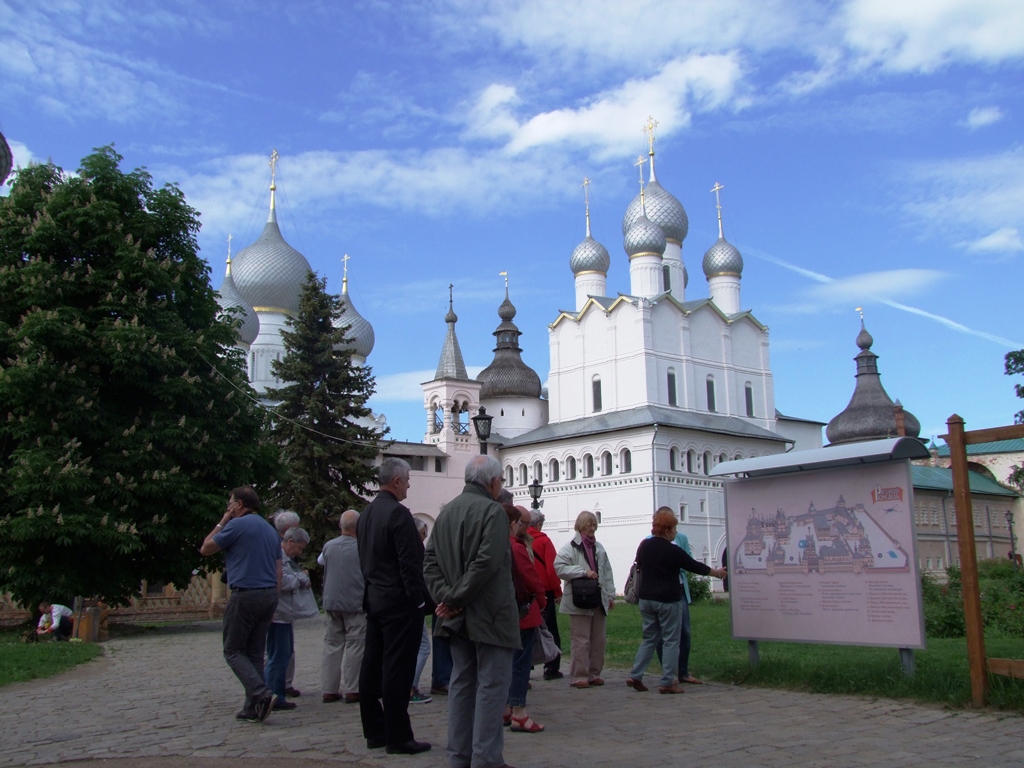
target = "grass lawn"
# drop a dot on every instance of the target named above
(27, 661)
(941, 677)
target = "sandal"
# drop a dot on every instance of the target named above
(580, 684)
(506, 718)
(691, 680)
(670, 689)
(636, 685)
(519, 724)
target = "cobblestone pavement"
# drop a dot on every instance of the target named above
(168, 700)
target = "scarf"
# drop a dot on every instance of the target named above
(589, 544)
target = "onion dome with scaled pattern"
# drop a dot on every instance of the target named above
(871, 414)
(358, 330)
(644, 237)
(231, 298)
(269, 273)
(722, 258)
(590, 255)
(661, 207)
(508, 375)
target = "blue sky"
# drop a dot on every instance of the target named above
(871, 153)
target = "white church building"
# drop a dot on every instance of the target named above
(647, 390)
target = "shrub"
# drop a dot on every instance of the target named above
(700, 587)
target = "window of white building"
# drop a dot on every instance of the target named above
(748, 393)
(553, 471)
(538, 472)
(672, 397)
(570, 468)
(625, 461)
(523, 478)
(673, 459)
(606, 463)
(707, 464)
(596, 387)
(711, 394)
(691, 462)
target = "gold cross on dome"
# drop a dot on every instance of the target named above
(640, 164)
(716, 189)
(648, 130)
(274, 157)
(586, 190)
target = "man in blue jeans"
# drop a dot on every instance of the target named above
(252, 554)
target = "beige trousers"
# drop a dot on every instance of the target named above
(587, 636)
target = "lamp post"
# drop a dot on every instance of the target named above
(536, 489)
(482, 427)
(1013, 540)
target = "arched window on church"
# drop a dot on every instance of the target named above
(748, 394)
(711, 394)
(523, 479)
(553, 471)
(588, 465)
(666, 277)
(691, 462)
(673, 459)
(625, 461)
(606, 463)
(509, 476)
(596, 391)
(707, 462)
(438, 419)
(722, 457)
(538, 472)
(570, 468)
(673, 398)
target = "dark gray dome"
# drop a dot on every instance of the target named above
(644, 237)
(508, 375)
(270, 273)
(230, 297)
(358, 330)
(590, 256)
(662, 208)
(6, 159)
(722, 258)
(871, 414)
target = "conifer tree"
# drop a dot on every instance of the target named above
(126, 409)
(326, 453)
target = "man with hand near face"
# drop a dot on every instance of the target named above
(252, 554)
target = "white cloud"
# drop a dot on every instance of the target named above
(1004, 240)
(923, 35)
(882, 299)
(877, 286)
(981, 195)
(609, 122)
(980, 117)
(21, 156)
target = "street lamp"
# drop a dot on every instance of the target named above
(536, 489)
(1013, 541)
(482, 427)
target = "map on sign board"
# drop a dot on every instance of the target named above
(825, 556)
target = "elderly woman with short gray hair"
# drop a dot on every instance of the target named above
(280, 638)
(584, 558)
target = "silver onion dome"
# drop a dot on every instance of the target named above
(230, 298)
(644, 237)
(722, 258)
(270, 273)
(590, 256)
(358, 330)
(662, 208)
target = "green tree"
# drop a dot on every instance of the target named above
(127, 412)
(326, 452)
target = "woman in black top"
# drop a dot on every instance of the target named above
(660, 561)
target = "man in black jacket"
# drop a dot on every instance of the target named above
(391, 558)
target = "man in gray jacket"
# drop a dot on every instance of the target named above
(468, 569)
(346, 622)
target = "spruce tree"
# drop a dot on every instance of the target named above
(327, 454)
(127, 415)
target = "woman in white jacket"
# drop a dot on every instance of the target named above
(584, 557)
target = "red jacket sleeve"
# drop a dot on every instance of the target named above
(528, 572)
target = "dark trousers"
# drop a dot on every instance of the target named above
(246, 623)
(441, 661)
(551, 622)
(63, 629)
(280, 648)
(385, 678)
(684, 639)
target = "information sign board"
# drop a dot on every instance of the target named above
(825, 556)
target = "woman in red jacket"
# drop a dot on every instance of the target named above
(529, 591)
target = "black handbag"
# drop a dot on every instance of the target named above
(586, 593)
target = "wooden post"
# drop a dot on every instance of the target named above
(968, 560)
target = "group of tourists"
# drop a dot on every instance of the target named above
(489, 579)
